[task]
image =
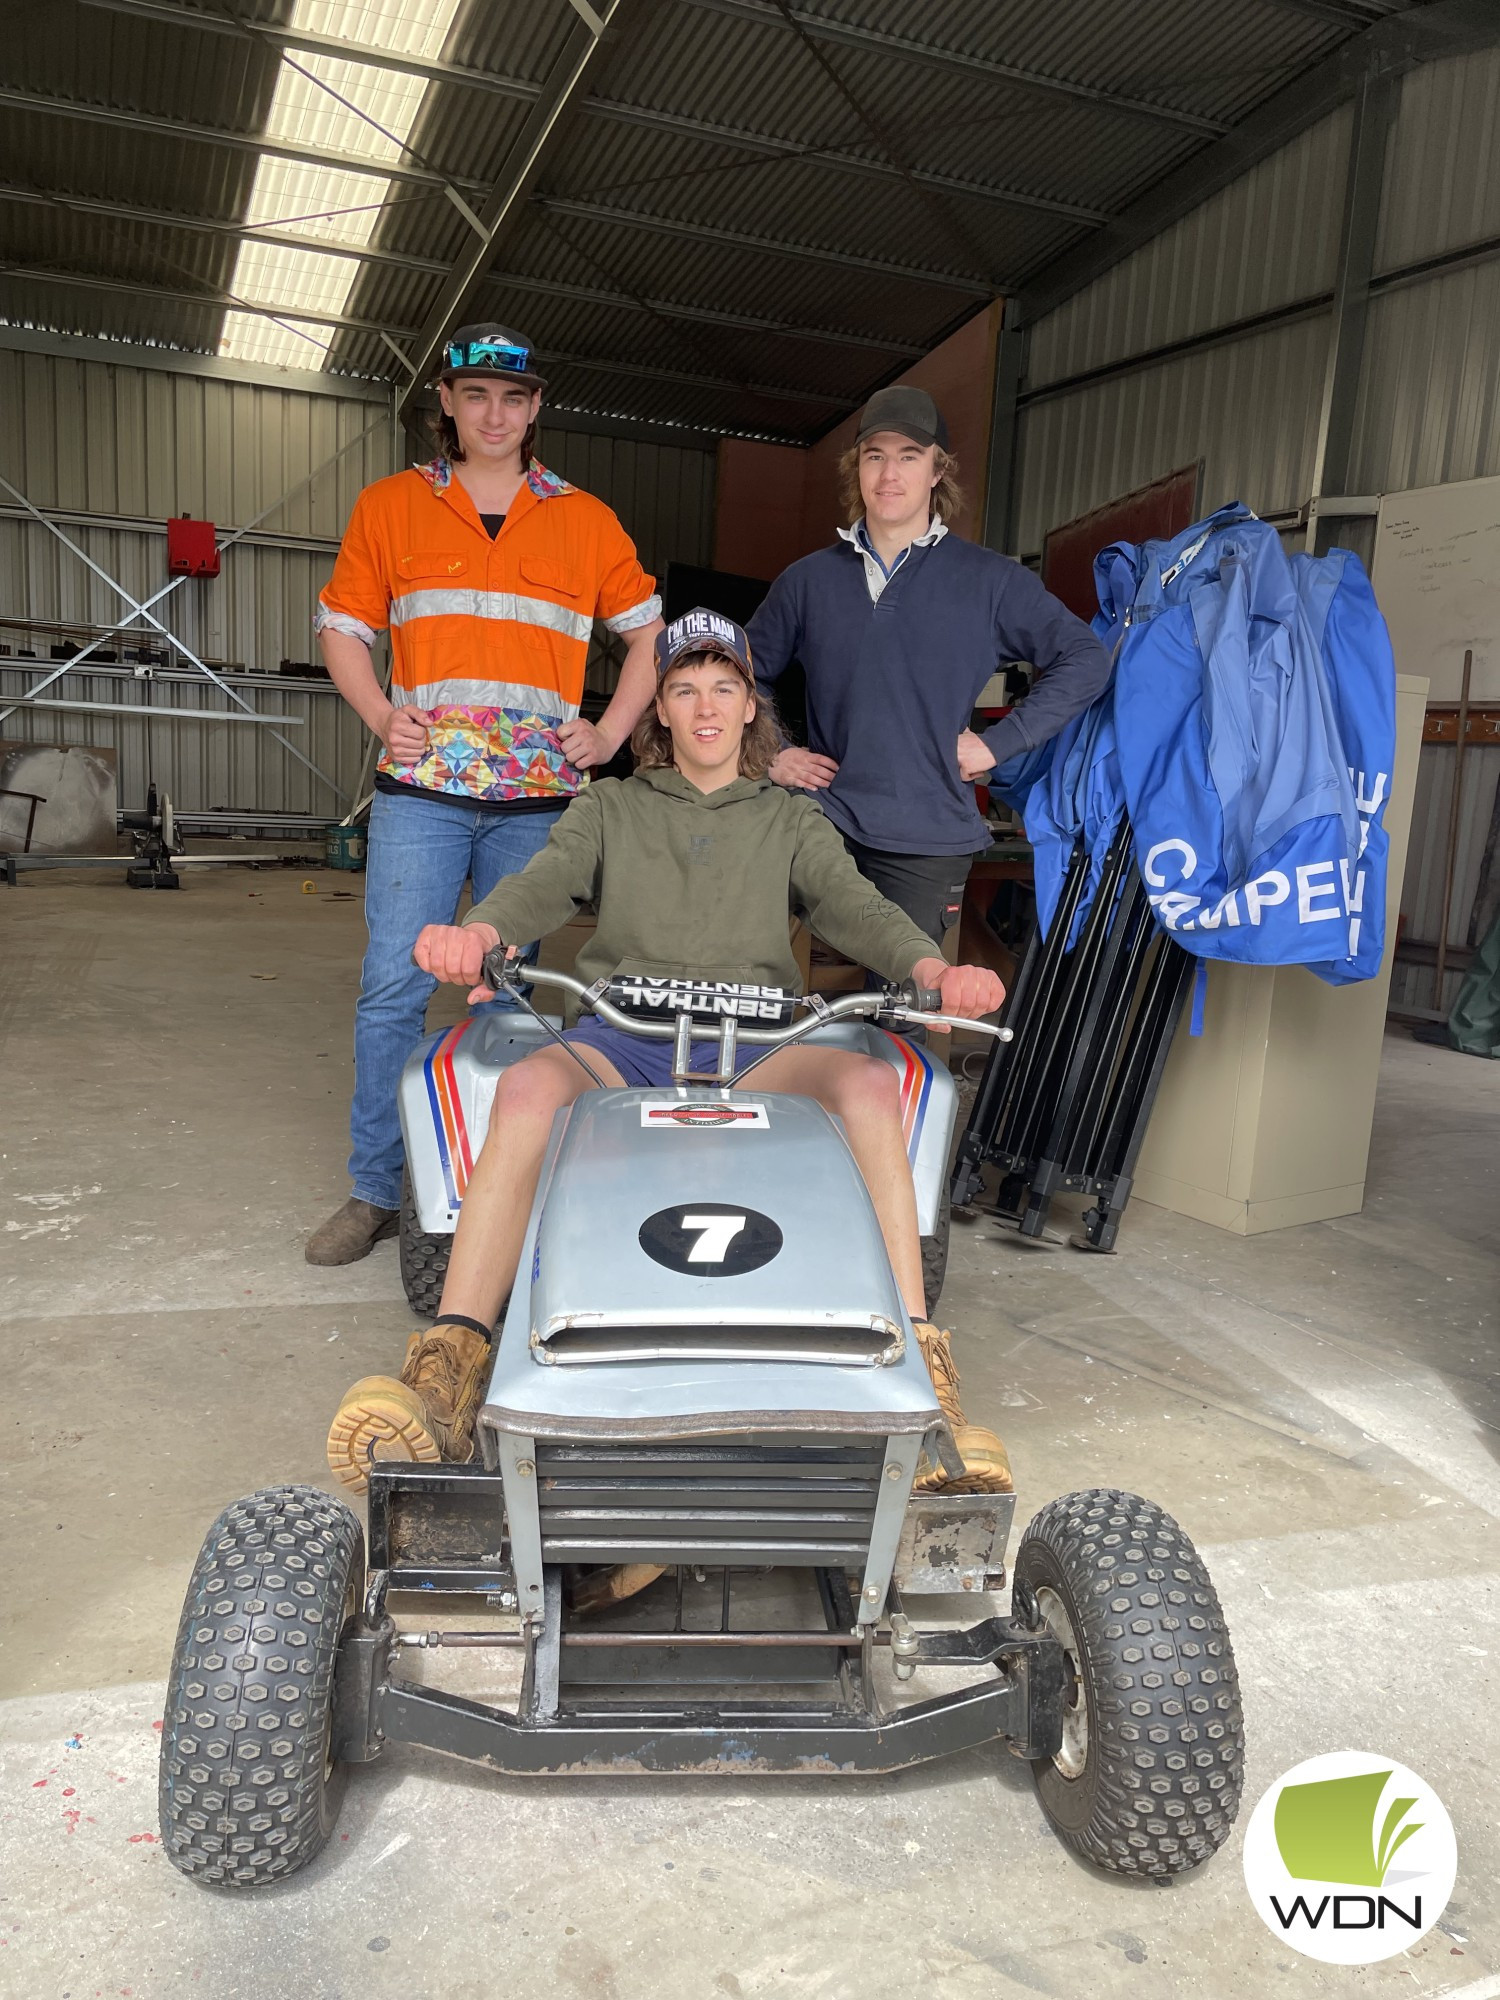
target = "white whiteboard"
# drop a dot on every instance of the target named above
(1437, 577)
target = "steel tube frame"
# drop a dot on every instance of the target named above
(150, 714)
(139, 610)
(235, 534)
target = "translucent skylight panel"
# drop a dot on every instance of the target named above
(365, 113)
(249, 337)
(268, 274)
(403, 27)
(315, 201)
(304, 114)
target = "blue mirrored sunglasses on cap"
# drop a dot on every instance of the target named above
(498, 354)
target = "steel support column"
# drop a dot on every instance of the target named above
(1374, 117)
(545, 125)
(1000, 486)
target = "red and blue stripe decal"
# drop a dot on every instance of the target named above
(916, 1088)
(448, 1124)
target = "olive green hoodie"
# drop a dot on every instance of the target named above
(701, 882)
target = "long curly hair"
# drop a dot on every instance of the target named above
(651, 740)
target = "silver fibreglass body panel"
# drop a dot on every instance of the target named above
(604, 1175)
(446, 1094)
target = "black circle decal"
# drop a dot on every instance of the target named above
(710, 1239)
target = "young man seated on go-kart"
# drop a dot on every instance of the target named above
(693, 864)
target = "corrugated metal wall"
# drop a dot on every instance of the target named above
(1248, 403)
(119, 448)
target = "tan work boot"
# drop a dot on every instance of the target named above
(603, 1587)
(351, 1232)
(427, 1416)
(987, 1469)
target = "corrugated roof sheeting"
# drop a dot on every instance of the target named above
(1268, 239)
(49, 153)
(1212, 61)
(789, 201)
(131, 317)
(1249, 409)
(700, 271)
(92, 57)
(679, 58)
(1442, 181)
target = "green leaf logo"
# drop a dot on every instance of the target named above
(1325, 1832)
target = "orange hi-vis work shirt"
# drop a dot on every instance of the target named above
(491, 637)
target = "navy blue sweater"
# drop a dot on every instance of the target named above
(890, 685)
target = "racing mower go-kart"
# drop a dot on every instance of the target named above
(705, 1367)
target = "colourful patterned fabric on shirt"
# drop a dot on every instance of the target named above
(496, 754)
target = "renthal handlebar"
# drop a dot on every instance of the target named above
(918, 1005)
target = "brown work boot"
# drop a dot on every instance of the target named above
(987, 1469)
(427, 1416)
(351, 1232)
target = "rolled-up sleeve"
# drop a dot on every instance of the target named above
(356, 598)
(1072, 667)
(627, 597)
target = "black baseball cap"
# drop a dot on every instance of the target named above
(911, 412)
(703, 631)
(490, 350)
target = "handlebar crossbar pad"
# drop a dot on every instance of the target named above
(704, 999)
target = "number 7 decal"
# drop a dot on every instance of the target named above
(715, 1234)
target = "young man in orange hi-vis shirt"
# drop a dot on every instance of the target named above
(489, 571)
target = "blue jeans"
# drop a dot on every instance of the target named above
(421, 852)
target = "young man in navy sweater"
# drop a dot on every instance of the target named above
(898, 626)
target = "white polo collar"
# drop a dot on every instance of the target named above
(877, 576)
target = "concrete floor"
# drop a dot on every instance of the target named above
(1318, 1407)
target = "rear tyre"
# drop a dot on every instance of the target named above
(424, 1259)
(935, 1255)
(1148, 1777)
(249, 1790)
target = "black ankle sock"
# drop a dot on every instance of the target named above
(461, 1319)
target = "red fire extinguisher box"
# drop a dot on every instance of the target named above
(192, 547)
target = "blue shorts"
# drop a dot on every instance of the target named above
(646, 1062)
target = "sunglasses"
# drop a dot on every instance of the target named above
(496, 354)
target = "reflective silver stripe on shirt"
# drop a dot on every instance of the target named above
(641, 614)
(490, 604)
(325, 620)
(515, 695)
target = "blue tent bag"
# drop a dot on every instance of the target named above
(1249, 730)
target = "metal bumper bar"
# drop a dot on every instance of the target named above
(728, 1740)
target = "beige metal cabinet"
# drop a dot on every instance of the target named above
(1264, 1119)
